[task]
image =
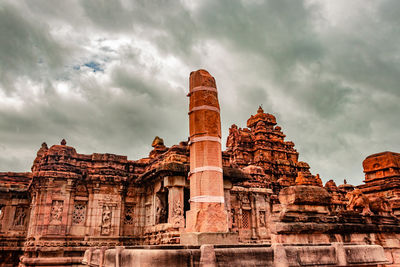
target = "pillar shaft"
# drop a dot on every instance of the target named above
(207, 212)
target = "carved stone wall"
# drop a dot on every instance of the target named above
(79, 213)
(71, 201)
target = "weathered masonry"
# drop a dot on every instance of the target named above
(192, 204)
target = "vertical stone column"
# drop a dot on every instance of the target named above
(207, 212)
(45, 223)
(68, 206)
(89, 214)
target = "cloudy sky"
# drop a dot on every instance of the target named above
(108, 76)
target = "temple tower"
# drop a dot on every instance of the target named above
(207, 212)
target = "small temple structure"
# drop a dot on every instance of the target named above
(192, 204)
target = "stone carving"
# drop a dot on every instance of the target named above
(380, 205)
(262, 219)
(175, 157)
(161, 211)
(106, 220)
(20, 216)
(177, 217)
(129, 215)
(56, 211)
(81, 190)
(157, 142)
(246, 219)
(79, 213)
(377, 205)
(158, 147)
(245, 200)
(358, 202)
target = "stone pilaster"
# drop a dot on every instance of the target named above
(175, 185)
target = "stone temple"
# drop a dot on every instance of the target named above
(192, 204)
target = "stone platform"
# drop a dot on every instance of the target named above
(336, 254)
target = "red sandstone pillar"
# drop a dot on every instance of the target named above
(207, 212)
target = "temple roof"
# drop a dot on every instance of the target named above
(15, 181)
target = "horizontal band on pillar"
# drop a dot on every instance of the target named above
(207, 168)
(203, 88)
(204, 138)
(208, 199)
(204, 107)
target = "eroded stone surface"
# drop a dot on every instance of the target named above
(207, 203)
(70, 202)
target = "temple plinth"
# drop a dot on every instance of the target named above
(207, 211)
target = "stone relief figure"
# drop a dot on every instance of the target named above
(245, 200)
(106, 220)
(20, 216)
(56, 211)
(262, 218)
(358, 201)
(161, 211)
(177, 218)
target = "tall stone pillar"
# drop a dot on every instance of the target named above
(207, 212)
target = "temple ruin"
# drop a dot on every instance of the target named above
(192, 204)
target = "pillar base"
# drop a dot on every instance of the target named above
(202, 238)
(207, 218)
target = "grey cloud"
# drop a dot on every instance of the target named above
(27, 49)
(334, 90)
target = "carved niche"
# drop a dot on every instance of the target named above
(56, 211)
(79, 213)
(129, 213)
(245, 206)
(161, 208)
(81, 190)
(106, 220)
(20, 216)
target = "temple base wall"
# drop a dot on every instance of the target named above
(337, 254)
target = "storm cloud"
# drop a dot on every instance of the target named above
(108, 76)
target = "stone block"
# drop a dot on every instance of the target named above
(218, 238)
(303, 194)
(362, 254)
